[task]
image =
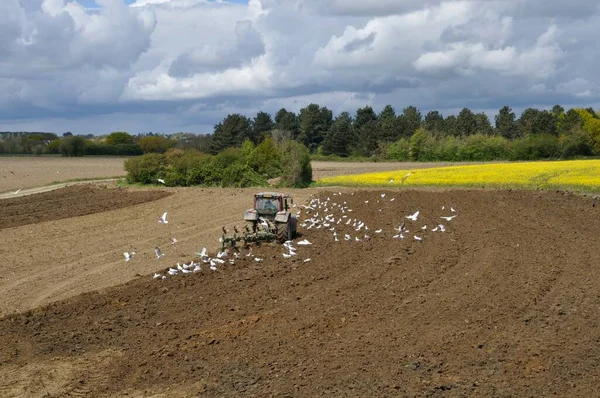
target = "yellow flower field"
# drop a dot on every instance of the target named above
(571, 175)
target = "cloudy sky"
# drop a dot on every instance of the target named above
(96, 66)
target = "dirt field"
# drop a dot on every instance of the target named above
(504, 303)
(29, 172)
(22, 172)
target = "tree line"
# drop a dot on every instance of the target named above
(555, 133)
(408, 135)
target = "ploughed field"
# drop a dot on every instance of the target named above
(504, 302)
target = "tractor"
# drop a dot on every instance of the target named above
(269, 220)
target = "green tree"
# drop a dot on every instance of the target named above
(434, 122)
(363, 116)
(315, 122)
(591, 125)
(526, 122)
(155, 144)
(388, 125)
(73, 146)
(119, 137)
(231, 132)
(410, 120)
(569, 121)
(466, 123)
(450, 126)
(506, 124)
(340, 137)
(287, 121)
(483, 124)
(261, 125)
(422, 146)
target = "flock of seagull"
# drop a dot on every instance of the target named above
(332, 215)
(335, 216)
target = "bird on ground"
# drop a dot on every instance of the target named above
(202, 253)
(378, 231)
(452, 210)
(174, 241)
(213, 266)
(156, 276)
(418, 238)
(186, 271)
(173, 271)
(304, 242)
(307, 260)
(128, 256)
(158, 253)
(424, 227)
(442, 228)
(285, 255)
(258, 260)
(163, 218)
(160, 180)
(197, 268)
(413, 217)
(448, 218)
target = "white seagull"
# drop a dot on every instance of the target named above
(156, 276)
(163, 218)
(174, 241)
(304, 242)
(128, 256)
(160, 180)
(413, 217)
(448, 218)
(158, 253)
(17, 191)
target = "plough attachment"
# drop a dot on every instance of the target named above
(246, 237)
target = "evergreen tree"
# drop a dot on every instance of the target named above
(506, 125)
(410, 120)
(262, 124)
(287, 121)
(389, 127)
(232, 131)
(340, 137)
(483, 124)
(434, 122)
(315, 122)
(466, 122)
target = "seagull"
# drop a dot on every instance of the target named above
(307, 260)
(213, 266)
(304, 242)
(418, 238)
(163, 218)
(186, 271)
(174, 241)
(424, 227)
(17, 191)
(391, 180)
(452, 210)
(406, 176)
(414, 216)
(382, 195)
(160, 180)
(179, 267)
(448, 218)
(172, 271)
(285, 255)
(197, 268)
(378, 231)
(202, 253)
(258, 260)
(442, 228)
(128, 256)
(156, 276)
(158, 253)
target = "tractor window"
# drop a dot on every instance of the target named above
(269, 205)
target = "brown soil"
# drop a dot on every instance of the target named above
(73, 201)
(504, 304)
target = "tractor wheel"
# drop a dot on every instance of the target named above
(283, 232)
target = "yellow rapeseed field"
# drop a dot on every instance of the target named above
(571, 175)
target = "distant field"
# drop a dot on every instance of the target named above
(570, 175)
(27, 172)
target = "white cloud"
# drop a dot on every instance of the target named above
(196, 60)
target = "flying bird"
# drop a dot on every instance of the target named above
(17, 191)
(174, 241)
(156, 276)
(160, 180)
(163, 218)
(414, 216)
(128, 256)
(448, 218)
(158, 253)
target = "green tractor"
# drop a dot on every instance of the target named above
(270, 219)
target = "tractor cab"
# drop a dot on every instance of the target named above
(268, 204)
